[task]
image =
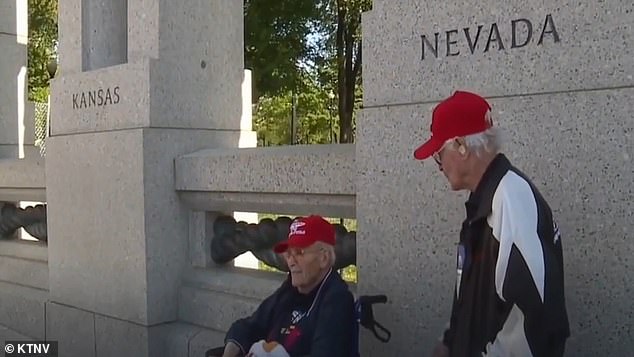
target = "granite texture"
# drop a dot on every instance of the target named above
(13, 88)
(7, 17)
(191, 52)
(578, 149)
(143, 29)
(278, 203)
(178, 76)
(32, 273)
(22, 194)
(249, 283)
(22, 173)
(215, 298)
(73, 329)
(10, 12)
(28, 137)
(595, 48)
(166, 250)
(104, 33)
(128, 107)
(179, 337)
(115, 337)
(317, 179)
(28, 250)
(82, 333)
(200, 64)
(200, 228)
(205, 340)
(23, 309)
(7, 334)
(70, 36)
(213, 309)
(143, 94)
(107, 222)
(16, 151)
(311, 169)
(120, 257)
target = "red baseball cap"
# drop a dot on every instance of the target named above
(461, 114)
(306, 231)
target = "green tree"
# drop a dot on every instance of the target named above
(348, 46)
(41, 47)
(331, 57)
(277, 42)
(273, 114)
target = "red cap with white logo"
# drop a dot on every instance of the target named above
(306, 231)
(461, 114)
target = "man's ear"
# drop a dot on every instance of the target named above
(462, 147)
(325, 259)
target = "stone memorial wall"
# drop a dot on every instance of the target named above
(560, 78)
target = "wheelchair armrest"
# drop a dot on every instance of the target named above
(215, 352)
(372, 299)
(365, 315)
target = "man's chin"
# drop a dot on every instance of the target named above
(295, 281)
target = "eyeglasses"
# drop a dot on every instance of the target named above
(438, 154)
(437, 157)
(299, 252)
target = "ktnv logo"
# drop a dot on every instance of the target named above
(481, 38)
(30, 349)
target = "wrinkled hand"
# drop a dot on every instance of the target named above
(267, 349)
(440, 350)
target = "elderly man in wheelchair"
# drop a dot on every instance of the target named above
(312, 313)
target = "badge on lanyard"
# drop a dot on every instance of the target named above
(460, 265)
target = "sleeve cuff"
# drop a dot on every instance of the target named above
(238, 344)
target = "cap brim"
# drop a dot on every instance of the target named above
(280, 247)
(428, 149)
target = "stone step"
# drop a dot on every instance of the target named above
(213, 309)
(23, 269)
(186, 340)
(7, 334)
(22, 309)
(215, 298)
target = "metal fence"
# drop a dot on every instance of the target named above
(41, 126)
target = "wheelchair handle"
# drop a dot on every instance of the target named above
(373, 299)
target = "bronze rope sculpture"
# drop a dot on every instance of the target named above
(32, 219)
(231, 238)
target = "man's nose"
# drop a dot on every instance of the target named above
(290, 261)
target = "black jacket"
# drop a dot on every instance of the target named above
(509, 298)
(324, 320)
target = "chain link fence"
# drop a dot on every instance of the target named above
(41, 126)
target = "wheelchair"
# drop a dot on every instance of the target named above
(364, 314)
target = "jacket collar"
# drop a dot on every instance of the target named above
(482, 198)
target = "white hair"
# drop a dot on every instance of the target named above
(330, 252)
(489, 141)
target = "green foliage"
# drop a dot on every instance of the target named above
(315, 114)
(326, 59)
(41, 47)
(349, 274)
(277, 42)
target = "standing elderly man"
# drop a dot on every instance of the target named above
(312, 313)
(509, 295)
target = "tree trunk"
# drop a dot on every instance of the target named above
(347, 67)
